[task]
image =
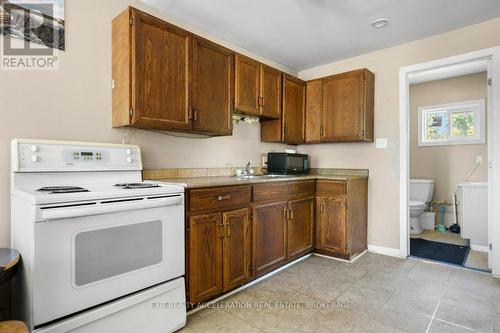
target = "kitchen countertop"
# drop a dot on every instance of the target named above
(199, 182)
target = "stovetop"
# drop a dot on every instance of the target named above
(57, 193)
(62, 189)
(131, 186)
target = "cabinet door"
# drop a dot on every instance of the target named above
(206, 234)
(300, 224)
(331, 225)
(293, 110)
(343, 105)
(159, 74)
(212, 85)
(268, 232)
(247, 87)
(270, 101)
(314, 110)
(237, 248)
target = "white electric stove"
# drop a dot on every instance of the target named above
(102, 250)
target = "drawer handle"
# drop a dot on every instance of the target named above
(228, 230)
(223, 197)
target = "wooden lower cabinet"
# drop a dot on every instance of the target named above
(236, 248)
(331, 225)
(269, 236)
(206, 233)
(219, 253)
(239, 233)
(341, 217)
(300, 227)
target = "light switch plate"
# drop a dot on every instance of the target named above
(381, 143)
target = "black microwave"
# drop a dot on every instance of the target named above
(287, 164)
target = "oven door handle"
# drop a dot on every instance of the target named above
(99, 208)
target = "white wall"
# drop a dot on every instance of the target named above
(74, 103)
(383, 206)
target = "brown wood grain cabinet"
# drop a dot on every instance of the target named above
(290, 128)
(218, 241)
(341, 217)
(239, 233)
(150, 72)
(205, 248)
(257, 88)
(247, 89)
(236, 248)
(166, 78)
(300, 227)
(269, 236)
(211, 87)
(270, 92)
(340, 108)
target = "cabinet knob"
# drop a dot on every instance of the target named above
(34, 158)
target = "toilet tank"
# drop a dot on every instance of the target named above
(421, 189)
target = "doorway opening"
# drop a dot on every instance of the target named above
(448, 187)
(447, 148)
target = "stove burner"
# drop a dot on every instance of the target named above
(62, 189)
(131, 186)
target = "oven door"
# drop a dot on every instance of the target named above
(83, 259)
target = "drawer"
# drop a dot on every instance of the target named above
(302, 189)
(331, 187)
(219, 198)
(275, 191)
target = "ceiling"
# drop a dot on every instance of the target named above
(301, 34)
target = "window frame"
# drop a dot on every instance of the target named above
(477, 106)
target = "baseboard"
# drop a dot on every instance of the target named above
(387, 251)
(480, 248)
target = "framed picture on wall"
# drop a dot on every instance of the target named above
(34, 21)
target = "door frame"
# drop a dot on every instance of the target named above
(493, 137)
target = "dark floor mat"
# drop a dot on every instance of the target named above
(450, 253)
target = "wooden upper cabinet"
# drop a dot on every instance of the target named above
(212, 87)
(206, 233)
(169, 79)
(237, 248)
(294, 91)
(160, 73)
(340, 108)
(314, 111)
(247, 85)
(270, 96)
(269, 236)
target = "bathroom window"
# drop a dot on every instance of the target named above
(452, 124)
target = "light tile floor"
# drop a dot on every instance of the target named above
(374, 294)
(475, 259)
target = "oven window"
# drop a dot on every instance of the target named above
(104, 253)
(295, 163)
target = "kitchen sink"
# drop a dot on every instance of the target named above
(249, 177)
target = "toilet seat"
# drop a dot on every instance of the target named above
(417, 204)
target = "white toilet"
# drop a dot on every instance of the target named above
(421, 192)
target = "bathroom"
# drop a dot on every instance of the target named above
(448, 188)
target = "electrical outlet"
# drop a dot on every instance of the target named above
(264, 161)
(479, 160)
(381, 143)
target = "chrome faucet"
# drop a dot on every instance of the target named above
(248, 169)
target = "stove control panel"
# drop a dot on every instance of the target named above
(46, 156)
